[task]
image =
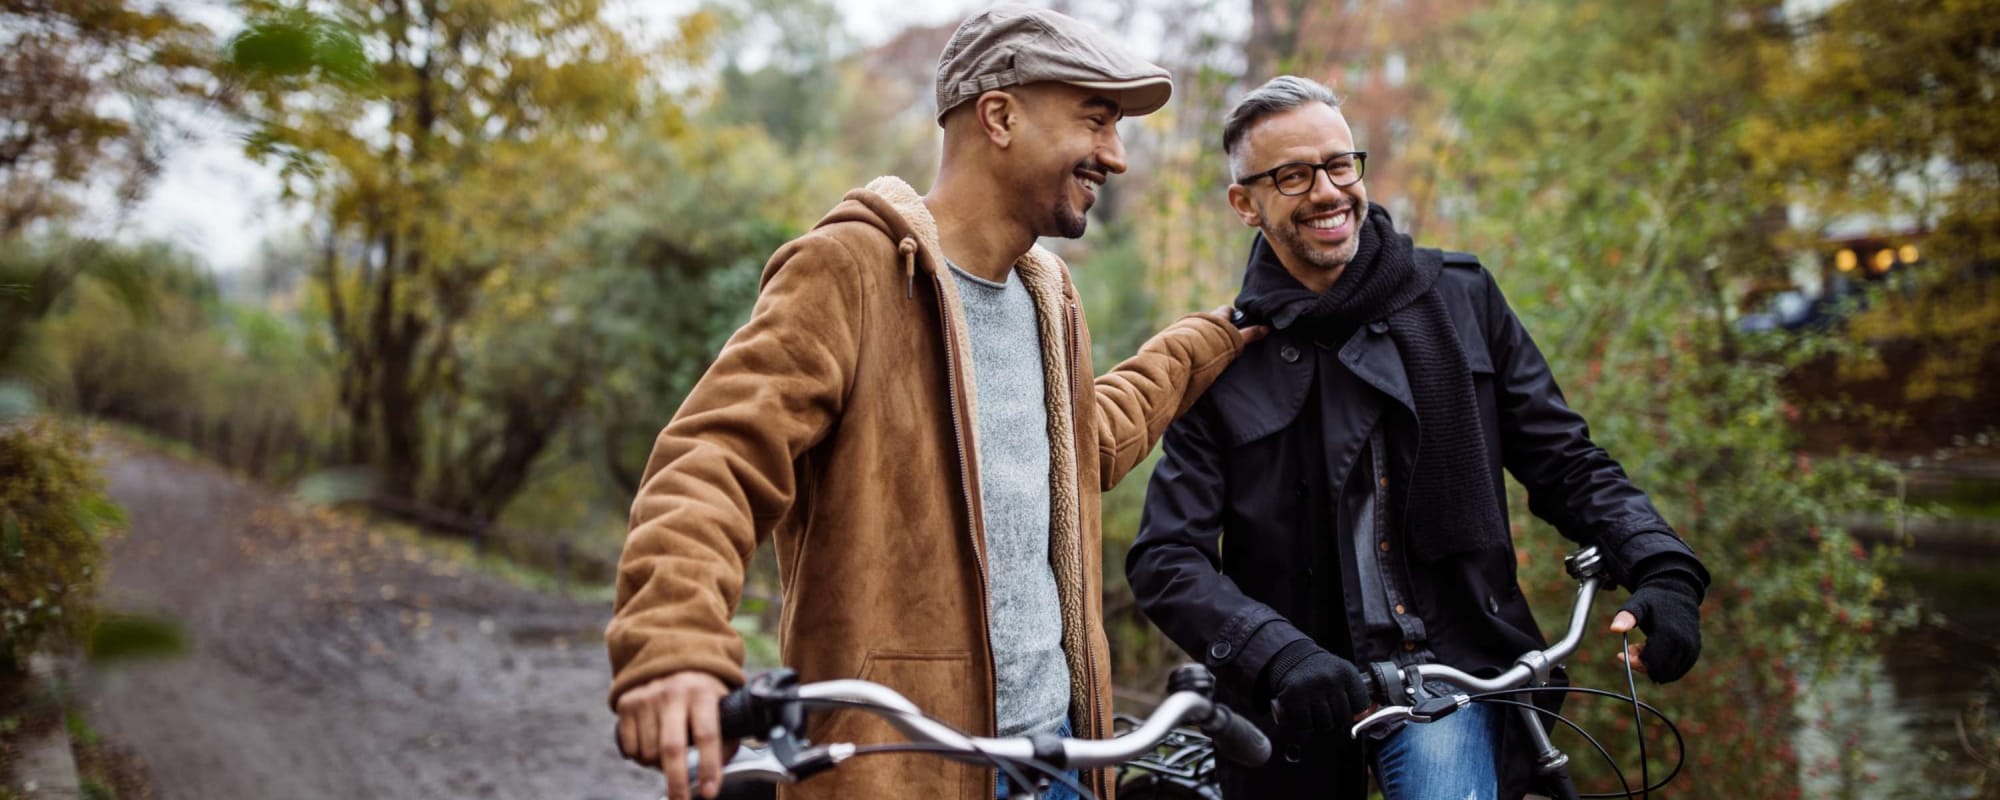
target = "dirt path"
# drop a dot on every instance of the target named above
(329, 661)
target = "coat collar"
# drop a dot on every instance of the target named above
(1265, 390)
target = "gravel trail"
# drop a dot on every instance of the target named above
(326, 660)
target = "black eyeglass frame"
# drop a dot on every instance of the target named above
(1360, 170)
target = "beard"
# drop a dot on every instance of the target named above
(1066, 218)
(1070, 220)
(1290, 236)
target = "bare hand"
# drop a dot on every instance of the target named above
(657, 720)
(1623, 623)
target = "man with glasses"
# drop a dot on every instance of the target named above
(1334, 504)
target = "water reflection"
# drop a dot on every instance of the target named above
(1901, 711)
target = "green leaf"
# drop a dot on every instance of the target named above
(128, 637)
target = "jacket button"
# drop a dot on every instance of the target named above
(1289, 353)
(1493, 604)
(1293, 754)
(1378, 326)
(1218, 651)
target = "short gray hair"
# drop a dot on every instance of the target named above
(1279, 94)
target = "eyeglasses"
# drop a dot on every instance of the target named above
(1296, 178)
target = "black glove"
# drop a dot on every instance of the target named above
(1314, 690)
(1668, 607)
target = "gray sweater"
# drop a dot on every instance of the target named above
(1013, 442)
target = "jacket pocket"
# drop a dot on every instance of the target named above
(941, 684)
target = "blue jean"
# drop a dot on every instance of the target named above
(1450, 759)
(1056, 791)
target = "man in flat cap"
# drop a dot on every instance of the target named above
(911, 416)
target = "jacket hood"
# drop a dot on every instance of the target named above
(889, 204)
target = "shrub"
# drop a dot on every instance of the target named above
(53, 517)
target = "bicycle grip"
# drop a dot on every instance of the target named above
(1236, 739)
(741, 717)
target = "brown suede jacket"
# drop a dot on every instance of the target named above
(837, 422)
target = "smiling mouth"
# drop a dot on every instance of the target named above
(1090, 180)
(1329, 223)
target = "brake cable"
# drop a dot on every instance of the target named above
(1638, 722)
(1680, 744)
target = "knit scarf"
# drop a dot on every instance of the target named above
(1450, 503)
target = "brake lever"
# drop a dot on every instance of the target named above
(763, 765)
(1429, 710)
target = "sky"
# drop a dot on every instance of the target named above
(212, 200)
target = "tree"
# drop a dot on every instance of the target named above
(1889, 117)
(786, 95)
(1614, 195)
(79, 87)
(680, 250)
(444, 171)
(1890, 112)
(80, 83)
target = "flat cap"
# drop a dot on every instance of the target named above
(1013, 45)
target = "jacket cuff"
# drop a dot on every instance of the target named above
(1291, 655)
(1626, 547)
(663, 655)
(1671, 566)
(1247, 643)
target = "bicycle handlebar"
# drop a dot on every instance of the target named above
(772, 707)
(1534, 667)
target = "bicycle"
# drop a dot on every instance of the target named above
(772, 708)
(1186, 769)
(1181, 767)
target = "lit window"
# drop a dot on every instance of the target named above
(1884, 259)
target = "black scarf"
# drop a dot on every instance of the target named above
(1451, 507)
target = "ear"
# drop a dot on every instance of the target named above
(999, 116)
(1245, 208)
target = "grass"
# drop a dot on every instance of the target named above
(519, 573)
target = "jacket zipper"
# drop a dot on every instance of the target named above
(965, 486)
(1083, 581)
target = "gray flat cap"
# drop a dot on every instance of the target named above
(1011, 45)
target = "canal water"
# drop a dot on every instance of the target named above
(1911, 712)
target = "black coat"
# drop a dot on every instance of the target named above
(1223, 561)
